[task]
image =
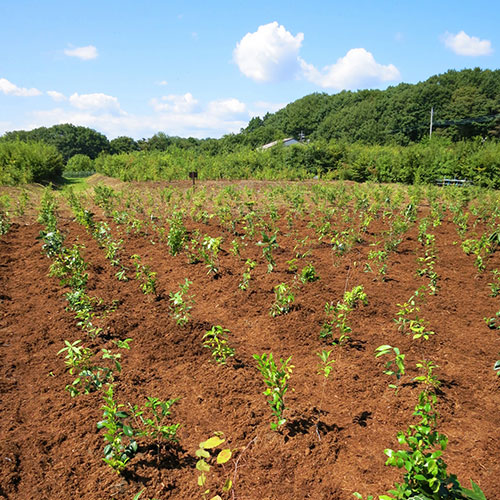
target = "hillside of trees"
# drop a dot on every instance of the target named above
(466, 104)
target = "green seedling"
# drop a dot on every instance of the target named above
(209, 252)
(268, 244)
(283, 300)
(308, 274)
(247, 275)
(121, 275)
(394, 366)
(89, 375)
(429, 380)
(493, 323)
(426, 475)
(408, 319)
(144, 274)
(481, 248)
(495, 284)
(152, 421)
(292, 265)
(120, 444)
(235, 248)
(193, 248)
(342, 242)
(216, 340)
(377, 264)
(276, 379)
(338, 314)
(326, 365)
(181, 303)
(176, 234)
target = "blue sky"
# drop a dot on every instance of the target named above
(203, 69)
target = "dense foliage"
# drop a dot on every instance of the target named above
(79, 163)
(418, 163)
(466, 104)
(22, 162)
(68, 139)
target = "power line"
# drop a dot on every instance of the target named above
(447, 123)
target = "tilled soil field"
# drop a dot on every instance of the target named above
(336, 429)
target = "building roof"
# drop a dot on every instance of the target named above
(286, 142)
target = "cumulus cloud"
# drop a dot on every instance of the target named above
(84, 53)
(269, 54)
(200, 124)
(56, 96)
(175, 103)
(272, 54)
(357, 68)
(465, 45)
(97, 102)
(228, 107)
(10, 88)
(178, 115)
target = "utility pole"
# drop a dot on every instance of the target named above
(432, 116)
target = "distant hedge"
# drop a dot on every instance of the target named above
(24, 162)
(421, 163)
(79, 163)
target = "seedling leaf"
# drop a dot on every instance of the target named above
(212, 442)
(224, 456)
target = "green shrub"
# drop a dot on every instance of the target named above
(79, 163)
(22, 162)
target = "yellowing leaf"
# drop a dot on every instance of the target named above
(227, 485)
(224, 456)
(202, 479)
(212, 442)
(202, 453)
(202, 466)
(216, 497)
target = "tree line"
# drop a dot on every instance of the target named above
(466, 107)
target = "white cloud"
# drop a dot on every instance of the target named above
(202, 124)
(272, 54)
(260, 108)
(269, 54)
(84, 53)
(175, 103)
(5, 127)
(465, 45)
(227, 107)
(10, 88)
(181, 115)
(56, 96)
(97, 102)
(162, 82)
(357, 68)
(270, 107)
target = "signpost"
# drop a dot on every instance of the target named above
(194, 176)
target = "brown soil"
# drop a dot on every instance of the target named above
(336, 432)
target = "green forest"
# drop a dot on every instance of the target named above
(375, 135)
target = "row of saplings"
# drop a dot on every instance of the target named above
(426, 477)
